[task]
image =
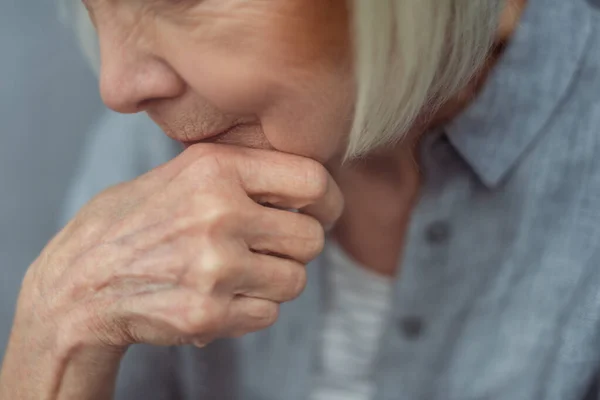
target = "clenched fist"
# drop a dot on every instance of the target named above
(205, 246)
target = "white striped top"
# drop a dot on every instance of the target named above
(359, 302)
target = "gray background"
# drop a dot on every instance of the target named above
(48, 100)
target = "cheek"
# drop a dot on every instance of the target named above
(235, 84)
(314, 119)
(298, 86)
(234, 57)
(301, 112)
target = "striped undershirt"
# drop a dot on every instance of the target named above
(359, 302)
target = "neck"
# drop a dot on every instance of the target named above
(379, 196)
(382, 189)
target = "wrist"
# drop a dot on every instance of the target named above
(52, 355)
(57, 364)
(62, 336)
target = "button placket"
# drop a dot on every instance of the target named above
(413, 331)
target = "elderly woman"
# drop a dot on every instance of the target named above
(462, 137)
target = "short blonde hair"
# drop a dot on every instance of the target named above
(410, 55)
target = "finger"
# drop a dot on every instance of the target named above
(270, 278)
(247, 314)
(283, 180)
(291, 182)
(293, 235)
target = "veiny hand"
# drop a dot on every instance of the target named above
(186, 253)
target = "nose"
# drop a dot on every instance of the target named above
(131, 79)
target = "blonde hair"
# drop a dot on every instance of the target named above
(410, 55)
(413, 54)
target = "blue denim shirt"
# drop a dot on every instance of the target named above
(499, 294)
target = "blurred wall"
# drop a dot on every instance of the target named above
(48, 99)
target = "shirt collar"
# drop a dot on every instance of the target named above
(524, 89)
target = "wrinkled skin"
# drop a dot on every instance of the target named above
(204, 246)
(190, 252)
(187, 253)
(199, 248)
(282, 69)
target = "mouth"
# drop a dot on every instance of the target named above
(210, 137)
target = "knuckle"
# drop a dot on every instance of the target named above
(315, 242)
(206, 160)
(295, 282)
(264, 313)
(200, 317)
(300, 282)
(270, 316)
(211, 270)
(317, 179)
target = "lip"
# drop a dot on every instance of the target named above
(208, 137)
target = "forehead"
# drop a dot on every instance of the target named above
(313, 30)
(298, 8)
(302, 17)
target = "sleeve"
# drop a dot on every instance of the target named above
(119, 149)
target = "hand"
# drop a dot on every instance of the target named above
(185, 253)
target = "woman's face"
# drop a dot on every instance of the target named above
(280, 70)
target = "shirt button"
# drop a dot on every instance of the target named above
(411, 327)
(438, 232)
